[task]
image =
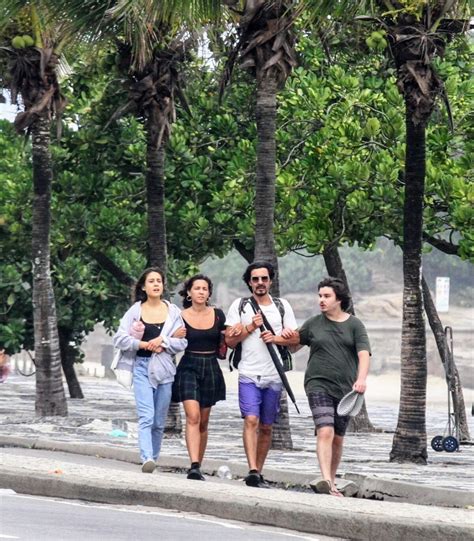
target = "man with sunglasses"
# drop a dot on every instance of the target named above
(260, 385)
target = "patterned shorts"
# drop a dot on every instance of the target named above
(324, 410)
(199, 377)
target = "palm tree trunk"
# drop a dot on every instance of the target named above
(68, 356)
(334, 266)
(155, 190)
(157, 249)
(50, 397)
(265, 111)
(454, 387)
(409, 442)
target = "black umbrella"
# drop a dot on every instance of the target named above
(276, 359)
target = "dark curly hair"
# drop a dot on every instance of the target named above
(188, 284)
(137, 292)
(340, 289)
(257, 265)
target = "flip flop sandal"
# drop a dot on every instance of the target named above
(323, 486)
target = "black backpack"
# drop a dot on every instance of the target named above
(236, 354)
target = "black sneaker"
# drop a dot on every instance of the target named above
(263, 483)
(253, 479)
(195, 473)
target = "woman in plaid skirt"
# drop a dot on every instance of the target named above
(199, 382)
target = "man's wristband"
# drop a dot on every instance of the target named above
(247, 329)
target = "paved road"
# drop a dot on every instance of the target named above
(45, 519)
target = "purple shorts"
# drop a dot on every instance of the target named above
(263, 403)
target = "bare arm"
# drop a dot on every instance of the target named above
(235, 334)
(364, 363)
(238, 332)
(291, 338)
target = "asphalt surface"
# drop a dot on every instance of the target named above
(45, 519)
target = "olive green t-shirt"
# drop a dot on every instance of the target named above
(333, 360)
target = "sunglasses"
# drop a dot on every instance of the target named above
(256, 279)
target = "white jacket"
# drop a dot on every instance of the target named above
(161, 368)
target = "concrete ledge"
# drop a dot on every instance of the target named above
(392, 490)
(369, 487)
(300, 512)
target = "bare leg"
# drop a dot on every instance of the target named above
(264, 440)
(193, 436)
(325, 437)
(250, 440)
(337, 446)
(203, 432)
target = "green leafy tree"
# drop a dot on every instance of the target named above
(416, 32)
(85, 293)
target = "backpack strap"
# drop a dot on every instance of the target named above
(242, 303)
(236, 353)
(281, 308)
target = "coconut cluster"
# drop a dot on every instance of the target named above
(20, 42)
(376, 41)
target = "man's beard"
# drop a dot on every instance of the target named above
(260, 293)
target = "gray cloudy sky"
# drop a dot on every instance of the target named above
(7, 111)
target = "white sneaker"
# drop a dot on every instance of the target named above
(148, 466)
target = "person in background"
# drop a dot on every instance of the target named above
(199, 382)
(4, 366)
(150, 359)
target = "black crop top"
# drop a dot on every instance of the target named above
(152, 330)
(206, 339)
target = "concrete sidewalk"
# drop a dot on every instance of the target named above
(107, 417)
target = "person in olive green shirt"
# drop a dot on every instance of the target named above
(338, 362)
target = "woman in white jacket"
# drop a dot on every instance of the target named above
(150, 359)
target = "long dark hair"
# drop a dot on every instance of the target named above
(188, 284)
(137, 293)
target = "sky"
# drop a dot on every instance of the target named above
(7, 111)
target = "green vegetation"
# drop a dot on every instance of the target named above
(98, 200)
(351, 146)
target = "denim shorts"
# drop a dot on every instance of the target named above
(264, 402)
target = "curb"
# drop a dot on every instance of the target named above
(249, 508)
(368, 487)
(374, 488)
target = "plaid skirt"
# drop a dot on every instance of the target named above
(199, 377)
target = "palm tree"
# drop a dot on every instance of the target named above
(32, 80)
(150, 54)
(152, 63)
(153, 90)
(265, 48)
(416, 33)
